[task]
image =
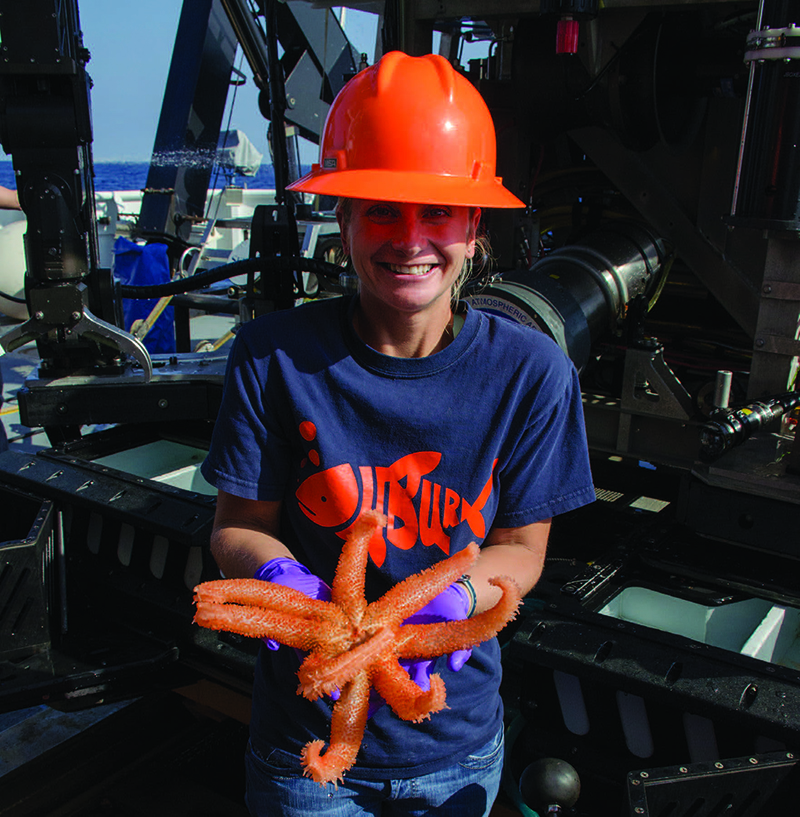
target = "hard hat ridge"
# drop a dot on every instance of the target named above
(394, 60)
(409, 129)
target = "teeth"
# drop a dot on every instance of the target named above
(419, 269)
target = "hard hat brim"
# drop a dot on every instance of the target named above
(419, 188)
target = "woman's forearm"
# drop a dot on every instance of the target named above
(515, 552)
(239, 552)
(245, 535)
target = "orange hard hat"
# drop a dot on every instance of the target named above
(409, 129)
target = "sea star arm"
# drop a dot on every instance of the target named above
(347, 588)
(261, 609)
(414, 592)
(258, 593)
(348, 722)
(407, 700)
(432, 640)
(257, 622)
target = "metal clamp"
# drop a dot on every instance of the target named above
(88, 326)
(773, 44)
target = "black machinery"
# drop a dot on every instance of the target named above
(656, 668)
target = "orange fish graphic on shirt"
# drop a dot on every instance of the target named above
(418, 507)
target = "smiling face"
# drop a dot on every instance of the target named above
(407, 256)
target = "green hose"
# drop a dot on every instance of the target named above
(509, 785)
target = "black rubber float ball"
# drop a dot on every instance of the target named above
(548, 782)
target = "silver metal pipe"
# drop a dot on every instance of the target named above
(722, 389)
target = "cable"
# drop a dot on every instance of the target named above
(12, 298)
(217, 165)
(247, 265)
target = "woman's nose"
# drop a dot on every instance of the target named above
(409, 234)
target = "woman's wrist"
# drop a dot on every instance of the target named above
(466, 582)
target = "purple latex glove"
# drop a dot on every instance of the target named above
(291, 573)
(452, 604)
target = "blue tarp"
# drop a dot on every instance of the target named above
(145, 265)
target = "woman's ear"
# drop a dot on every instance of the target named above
(472, 231)
(342, 220)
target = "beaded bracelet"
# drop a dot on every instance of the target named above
(466, 580)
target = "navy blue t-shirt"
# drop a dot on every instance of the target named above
(487, 432)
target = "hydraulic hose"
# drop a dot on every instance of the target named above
(260, 264)
(12, 298)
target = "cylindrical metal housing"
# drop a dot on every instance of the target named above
(580, 291)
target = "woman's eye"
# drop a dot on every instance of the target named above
(380, 211)
(437, 212)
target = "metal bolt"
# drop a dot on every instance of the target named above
(38, 315)
(683, 769)
(760, 342)
(767, 289)
(163, 403)
(754, 761)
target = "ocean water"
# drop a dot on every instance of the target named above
(133, 176)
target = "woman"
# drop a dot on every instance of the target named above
(459, 426)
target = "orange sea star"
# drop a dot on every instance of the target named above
(353, 645)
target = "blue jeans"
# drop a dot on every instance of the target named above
(465, 789)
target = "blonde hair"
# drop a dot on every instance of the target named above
(479, 266)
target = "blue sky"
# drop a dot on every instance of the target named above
(131, 48)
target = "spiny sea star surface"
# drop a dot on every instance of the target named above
(353, 645)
